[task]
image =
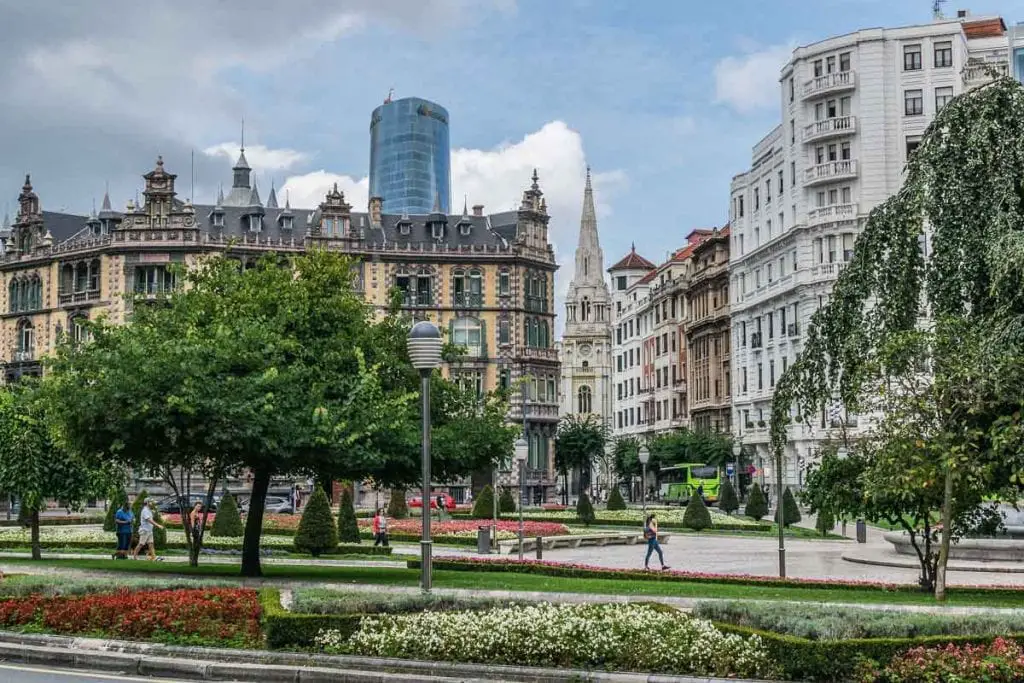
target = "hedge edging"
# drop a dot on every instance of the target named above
(368, 535)
(291, 630)
(342, 549)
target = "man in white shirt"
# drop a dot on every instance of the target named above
(146, 524)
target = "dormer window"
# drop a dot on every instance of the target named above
(255, 223)
(438, 231)
(286, 222)
(465, 229)
(404, 229)
(218, 220)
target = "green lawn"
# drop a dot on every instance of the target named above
(530, 582)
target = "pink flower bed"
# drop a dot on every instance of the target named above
(454, 528)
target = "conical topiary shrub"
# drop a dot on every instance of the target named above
(615, 500)
(348, 527)
(585, 510)
(757, 506)
(317, 533)
(118, 497)
(397, 508)
(727, 501)
(696, 516)
(483, 507)
(790, 510)
(227, 521)
(825, 522)
(506, 503)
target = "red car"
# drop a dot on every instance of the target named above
(449, 502)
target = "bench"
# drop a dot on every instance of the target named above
(597, 540)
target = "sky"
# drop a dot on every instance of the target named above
(663, 98)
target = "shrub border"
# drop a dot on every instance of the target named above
(56, 521)
(342, 549)
(284, 630)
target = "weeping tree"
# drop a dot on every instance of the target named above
(942, 258)
(579, 443)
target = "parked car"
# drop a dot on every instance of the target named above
(275, 505)
(417, 502)
(171, 506)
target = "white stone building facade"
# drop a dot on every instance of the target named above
(853, 108)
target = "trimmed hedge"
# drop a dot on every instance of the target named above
(343, 549)
(834, 660)
(286, 630)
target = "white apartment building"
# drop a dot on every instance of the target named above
(853, 108)
(631, 278)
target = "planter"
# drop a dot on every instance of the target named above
(983, 549)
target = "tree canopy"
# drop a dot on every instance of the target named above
(579, 443)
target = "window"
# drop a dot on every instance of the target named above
(911, 57)
(741, 207)
(830, 65)
(848, 247)
(781, 177)
(415, 288)
(844, 62)
(620, 283)
(26, 341)
(819, 111)
(771, 325)
(584, 400)
(77, 328)
(153, 280)
(819, 256)
(912, 145)
(794, 260)
(844, 151)
(831, 108)
(943, 97)
(287, 222)
(943, 54)
(768, 191)
(468, 333)
(255, 223)
(819, 154)
(757, 199)
(792, 173)
(913, 103)
(818, 70)
(437, 231)
(467, 288)
(771, 373)
(791, 90)
(504, 332)
(831, 240)
(504, 283)
(218, 220)
(504, 378)
(847, 195)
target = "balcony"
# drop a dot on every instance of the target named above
(830, 128)
(830, 83)
(830, 171)
(536, 411)
(78, 297)
(827, 271)
(467, 300)
(755, 340)
(23, 356)
(413, 300)
(980, 73)
(536, 304)
(832, 214)
(537, 353)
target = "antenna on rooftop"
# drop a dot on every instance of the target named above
(387, 100)
(937, 9)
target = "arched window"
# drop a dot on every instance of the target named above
(468, 333)
(12, 297)
(76, 326)
(584, 400)
(36, 297)
(531, 332)
(81, 277)
(67, 279)
(26, 341)
(544, 341)
(585, 310)
(94, 275)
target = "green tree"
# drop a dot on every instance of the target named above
(626, 461)
(580, 441)
(397, 507)
(316, 533)
(691, 446)
(118, 497)
(615, 500)
(228, 521)
(824, 523)
(35, 461)
(964, 182)
(727, 500)
(585, 509)
(348, 527)
(790, 510)
(696, 516)
(757, 506)
(483, 506)
(506, 501)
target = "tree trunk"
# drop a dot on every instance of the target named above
(947, 532)
(254, 524)
(36, 552)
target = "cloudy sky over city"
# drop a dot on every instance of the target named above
(663, 98)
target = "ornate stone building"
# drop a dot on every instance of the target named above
(707, 333)
(587, 339)
(487, 280)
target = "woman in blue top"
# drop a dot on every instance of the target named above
(651, 534)
(123, 519)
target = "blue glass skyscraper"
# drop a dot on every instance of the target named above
(410, 156)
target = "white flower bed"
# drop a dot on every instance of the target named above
(57, 535)
(624, 637)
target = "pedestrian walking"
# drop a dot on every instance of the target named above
(651, 535)
(195, 521)
(146, 524)
(380, 529)
(123, 520)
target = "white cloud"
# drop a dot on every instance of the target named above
(751, 82)
(307, 191)
(261, 158)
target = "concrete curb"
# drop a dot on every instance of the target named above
(912, 564)
(212, 664)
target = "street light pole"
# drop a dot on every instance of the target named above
(778, 514)
(737, 451)
(522, 452)
(424, 346)
(644, 456)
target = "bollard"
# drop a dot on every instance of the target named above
(862, 531)
(540, 548)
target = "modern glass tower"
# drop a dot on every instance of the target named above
(410, 156)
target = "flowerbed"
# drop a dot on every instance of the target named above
(629, 637)
(220, 616)
(998, 662)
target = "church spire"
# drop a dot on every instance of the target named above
(589, 258)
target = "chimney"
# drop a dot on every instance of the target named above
(478, 209)
(376, 203)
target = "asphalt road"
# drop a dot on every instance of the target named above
(17, 673)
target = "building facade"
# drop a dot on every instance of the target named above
(708, 334)
(853, 108)
(487, 280)
(586, 344)
(630, 283)
(410, 157)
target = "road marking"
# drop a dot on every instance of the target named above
(85, 673)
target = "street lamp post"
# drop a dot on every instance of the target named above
(737, 451)
(424, 345)
(779, 517)
(644, 456)
(522, 449)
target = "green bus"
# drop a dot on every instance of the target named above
(678, 482)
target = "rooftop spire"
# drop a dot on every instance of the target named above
(106, 201)
(589, 257)
(272, 199)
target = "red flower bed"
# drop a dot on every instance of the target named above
(209, 615)
(1002, 661)
(453, 528)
